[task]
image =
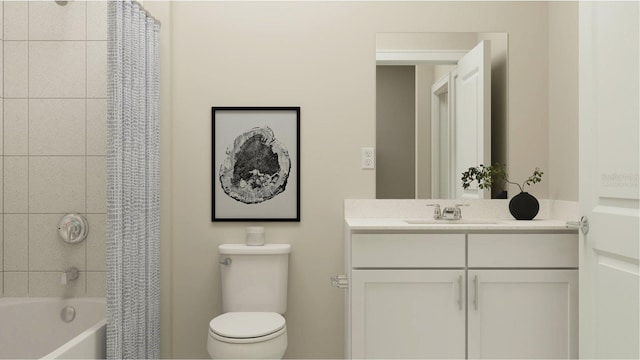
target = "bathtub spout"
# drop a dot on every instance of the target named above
(71, 273)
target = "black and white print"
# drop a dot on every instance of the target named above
(256, 164)
(256, 168)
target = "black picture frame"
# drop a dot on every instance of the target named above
(255, 156)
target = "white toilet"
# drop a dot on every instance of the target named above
(254, 297)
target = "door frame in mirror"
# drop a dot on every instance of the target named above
(413, 57)
(441, 186)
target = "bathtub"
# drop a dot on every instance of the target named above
(32, 328)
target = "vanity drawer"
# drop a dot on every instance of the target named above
(408, 250)
(523, 250)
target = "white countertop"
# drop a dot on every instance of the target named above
(363, 224)
(482, 215)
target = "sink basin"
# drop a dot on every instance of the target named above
(449, 222)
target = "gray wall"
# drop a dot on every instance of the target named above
(499, 93)
(395, 132)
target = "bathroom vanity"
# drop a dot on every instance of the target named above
(476, 288)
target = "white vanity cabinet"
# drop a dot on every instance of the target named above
(523, 295)
(527, 314)
(408, 314)
(408, 296)
(462, 294)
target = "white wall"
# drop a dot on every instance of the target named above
(426, 41)
(54, 145)
(562, 173)
(320, 56)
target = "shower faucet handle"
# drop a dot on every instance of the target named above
(73, 228)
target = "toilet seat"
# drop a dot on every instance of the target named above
(247, 327)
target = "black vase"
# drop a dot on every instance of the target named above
(524, 206)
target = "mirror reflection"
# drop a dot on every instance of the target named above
(441, 107)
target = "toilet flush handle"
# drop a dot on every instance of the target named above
(226, 261)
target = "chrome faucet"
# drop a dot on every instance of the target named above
(448, 213)
(71, 273)
(453, 213)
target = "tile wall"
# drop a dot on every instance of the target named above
(53, 145)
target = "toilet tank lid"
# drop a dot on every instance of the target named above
(241, 249)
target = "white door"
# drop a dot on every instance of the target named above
(523, 314)
(609, 161)
(407, 314)
(473, 116)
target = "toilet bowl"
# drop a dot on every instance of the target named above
(247, 335)
(254, 298)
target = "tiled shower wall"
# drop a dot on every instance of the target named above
(53, 145)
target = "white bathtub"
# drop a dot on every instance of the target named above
(32, 328)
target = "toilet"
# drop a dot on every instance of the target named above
(254, 297)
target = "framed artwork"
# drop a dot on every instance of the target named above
(256, 163)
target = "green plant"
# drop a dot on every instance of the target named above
(488, 176)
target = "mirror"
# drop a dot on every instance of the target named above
(418, 146)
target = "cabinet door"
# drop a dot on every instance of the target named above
(407, 314)
(529, 314)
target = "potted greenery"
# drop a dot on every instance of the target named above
(523, 206)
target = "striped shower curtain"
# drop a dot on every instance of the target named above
(133, 186)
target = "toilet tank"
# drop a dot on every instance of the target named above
(254, 278)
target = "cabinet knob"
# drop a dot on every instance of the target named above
(475, 295)
(460, 291)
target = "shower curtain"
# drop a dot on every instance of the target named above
(133, 206)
